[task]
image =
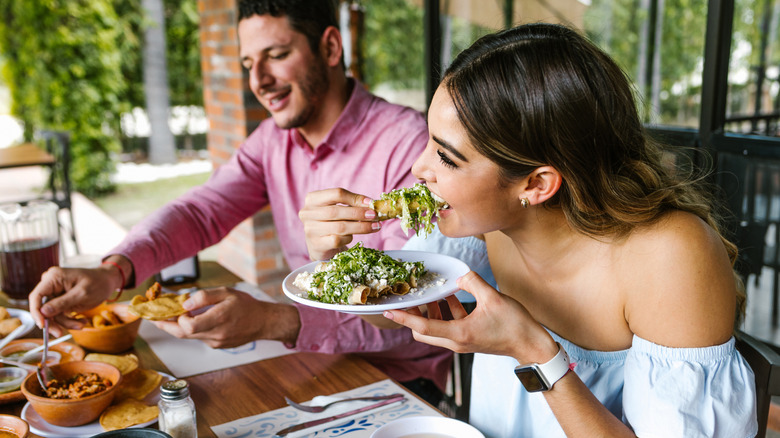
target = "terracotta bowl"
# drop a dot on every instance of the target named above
(111, 339)
(15, 425)
(72, 412)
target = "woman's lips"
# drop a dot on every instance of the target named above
(440, 201)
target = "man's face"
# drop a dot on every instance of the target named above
(286, 77)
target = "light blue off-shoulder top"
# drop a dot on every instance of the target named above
(657, 391)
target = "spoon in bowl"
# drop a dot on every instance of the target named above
(44, 372)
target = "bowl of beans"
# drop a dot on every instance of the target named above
(78, 394)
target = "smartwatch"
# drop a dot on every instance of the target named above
(541, 377)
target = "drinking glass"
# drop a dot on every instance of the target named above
(29, 245)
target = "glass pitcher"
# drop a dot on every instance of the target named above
(29, 245)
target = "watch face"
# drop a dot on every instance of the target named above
(531, 379)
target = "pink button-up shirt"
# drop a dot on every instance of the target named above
(369, 150)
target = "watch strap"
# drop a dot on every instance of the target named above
(557, 367)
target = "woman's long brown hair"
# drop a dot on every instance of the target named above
(542, 94)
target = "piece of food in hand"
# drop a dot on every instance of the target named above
(126, 363)
(416, 206)
(359, 273)
(138, 384)
(126, 413)
(157, 306)
(153, 292)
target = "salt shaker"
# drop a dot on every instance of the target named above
(177, 410)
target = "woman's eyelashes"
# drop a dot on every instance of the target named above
(446, 160)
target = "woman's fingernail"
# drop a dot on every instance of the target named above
(376, 225)
(367, 201)
(370, 214)
(387, 314)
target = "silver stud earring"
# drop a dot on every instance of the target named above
(525, 202)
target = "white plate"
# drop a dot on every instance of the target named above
(40, 427)
(422, 426)
(25, 317)
(448, 268)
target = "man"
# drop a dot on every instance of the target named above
(325, 131)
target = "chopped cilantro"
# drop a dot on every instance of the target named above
(359, 266)
(418, 207)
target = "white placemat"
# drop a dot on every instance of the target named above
(188, 357)
(360, 426)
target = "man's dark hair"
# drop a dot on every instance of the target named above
(309, 17)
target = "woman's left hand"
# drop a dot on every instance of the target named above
(498, 325)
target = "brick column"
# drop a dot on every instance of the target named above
(252, 249)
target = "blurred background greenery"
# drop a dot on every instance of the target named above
(83, 66)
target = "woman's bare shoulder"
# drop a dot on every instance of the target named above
(679, 283)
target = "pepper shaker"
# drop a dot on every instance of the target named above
(177, 410)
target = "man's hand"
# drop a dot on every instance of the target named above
(232, 318)
(70, 290)
(330, 217)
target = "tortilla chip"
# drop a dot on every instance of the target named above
(9, 325)
(125, 363)
(127, 413)
(138, 384)
(164, 307)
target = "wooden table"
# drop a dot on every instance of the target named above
(26, 154)
(230, 394)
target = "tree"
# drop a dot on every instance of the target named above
(184, 70)
(63, 67)
(162, 147)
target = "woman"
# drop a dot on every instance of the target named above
(609, 264)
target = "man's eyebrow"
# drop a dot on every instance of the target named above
(450, 148)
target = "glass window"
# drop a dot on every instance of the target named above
(660, 45)
(391, 48)
(753, 104)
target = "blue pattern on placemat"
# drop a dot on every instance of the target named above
(266, 424)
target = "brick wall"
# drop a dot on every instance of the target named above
(252, 249)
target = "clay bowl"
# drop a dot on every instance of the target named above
(72, 412)
(112, 339)
(15, 425)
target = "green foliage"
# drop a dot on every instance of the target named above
(393, 48)
(75, 65)
(129, 45)
(183, 52)
(616, 26)
(64, 70)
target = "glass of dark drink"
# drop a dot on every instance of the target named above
(29, 245)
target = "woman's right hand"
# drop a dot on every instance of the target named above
(331, 217)
(70, 290)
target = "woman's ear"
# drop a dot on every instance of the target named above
(330, 46)
(543, 184)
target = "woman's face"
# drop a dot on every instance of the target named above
(469, 182)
